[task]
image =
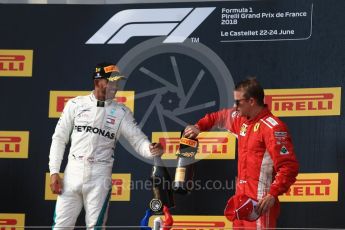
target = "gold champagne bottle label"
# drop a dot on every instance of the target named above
(180, 174)
(189, 142)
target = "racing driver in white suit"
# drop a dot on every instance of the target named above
(93, 123)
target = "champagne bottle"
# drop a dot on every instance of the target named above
(161, 181)
(185, 168)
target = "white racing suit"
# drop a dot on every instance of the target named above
(93, 131)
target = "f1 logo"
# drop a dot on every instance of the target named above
(178, 23)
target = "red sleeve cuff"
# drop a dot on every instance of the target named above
(274, 193)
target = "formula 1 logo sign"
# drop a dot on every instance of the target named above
(12, 221)
(196, 222)
(120, 183)
(16, 63)
(58, 100)
(14, 144)
(304, 102)
(212, 145)
(313, 187)
(175, 23)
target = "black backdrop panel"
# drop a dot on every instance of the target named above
(309, 53)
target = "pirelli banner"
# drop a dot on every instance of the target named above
(12, 221)
(58, 99)
(181, 61)
(121, 185)
(16, 63)
(212, 145)
(313, 187)
(192, 222)
(14, 144)
(304, 102)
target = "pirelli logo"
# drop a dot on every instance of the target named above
(212, 145)
(197, 222)
(121, 187)
(304, 102)
(189, 142)
(58, 100)
(313, 187)
(12, 221)
(14, 144)
(121, 184)
(16, 63)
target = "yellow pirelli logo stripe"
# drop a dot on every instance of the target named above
(58, 100)
(12, 221)
(212, 145)
(120, 187)
(121, 183)
(194, 222)
(304, 102)
(313, 187)
(14, 144)
(48, 195)
(16, 63)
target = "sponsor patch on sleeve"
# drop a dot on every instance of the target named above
(284, 151)
(280, 137)
(280, 134)
(272, 121)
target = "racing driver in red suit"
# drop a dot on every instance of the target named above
(267, 164)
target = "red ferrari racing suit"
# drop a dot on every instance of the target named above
(266, 160)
